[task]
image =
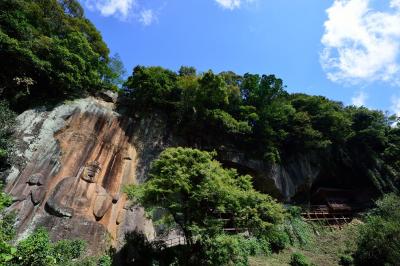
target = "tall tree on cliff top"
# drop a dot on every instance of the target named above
(48, 49)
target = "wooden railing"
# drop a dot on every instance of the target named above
(328, 218)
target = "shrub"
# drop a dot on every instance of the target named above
(233, 249)
(299, 232)
(299, 259)
(105, 260)
(346, 260)
(7, 120)
(278, 239)
(35, 250)
(67, 250)
(379, 238)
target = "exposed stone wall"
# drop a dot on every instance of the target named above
(283, 181)
(50, 186)
(55, 145)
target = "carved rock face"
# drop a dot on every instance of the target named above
(36, 179)
(54, 147)
(91, 172)
(52, 190)
(38, 195)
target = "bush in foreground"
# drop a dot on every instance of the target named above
(299, 259)
(379, 240)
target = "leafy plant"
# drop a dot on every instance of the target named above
(298, 231)
(379, 240)
(7, 120)
(256, 116)
(35, 250)
(346, 260)
(233, 249)
(49, 50)
(298, 259)
(197, 192)
(65, 251)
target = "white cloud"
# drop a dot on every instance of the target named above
(229, 4)
(359, 99)
(396, 105)
(361, 44)
(147, 17)
(232, 4)
(123, 10)
(118, 8)
(395, 3)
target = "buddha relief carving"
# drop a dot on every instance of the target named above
(33, 189)
(80, 195)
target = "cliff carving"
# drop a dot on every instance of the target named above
(73, 161)
(71, 166)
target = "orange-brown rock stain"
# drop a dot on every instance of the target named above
(88, 136)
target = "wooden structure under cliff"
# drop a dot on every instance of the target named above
(74, 160)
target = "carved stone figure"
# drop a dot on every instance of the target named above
(33, 189)
(80, 195)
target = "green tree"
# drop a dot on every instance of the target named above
(151, 87)
(7, 120)
(379, 238)
(256, 116)
(195, 191)
(115, 73)
(52, 48)
(187, 71)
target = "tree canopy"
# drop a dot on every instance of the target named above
(194, 192)
(7, 120)
(254, 114)
(48, 49)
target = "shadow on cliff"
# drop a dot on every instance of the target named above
(138, 251)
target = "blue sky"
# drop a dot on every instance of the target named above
(346, 50)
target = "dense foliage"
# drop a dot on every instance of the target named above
(299, 259)
(7, 119)
(256, 115)
(48, 49)
(7, 232)
(191, 190)
(379, 240)
(299, 232)
(37, 249)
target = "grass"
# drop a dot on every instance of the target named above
(324, 249)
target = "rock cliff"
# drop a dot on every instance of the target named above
(48, 181)
(283, 181)
(72, 163)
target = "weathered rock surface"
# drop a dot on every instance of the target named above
(52, 149)
(52, 187)
(283, 181)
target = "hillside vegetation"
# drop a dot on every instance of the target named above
(50, 52)
(255, 114)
